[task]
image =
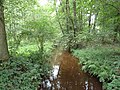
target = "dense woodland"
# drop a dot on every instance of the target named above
(30, 30)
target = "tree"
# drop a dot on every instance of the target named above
(40, 28)
(3, 41)
(75, 18)
(16, 13)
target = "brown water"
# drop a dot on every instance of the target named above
(69, 76)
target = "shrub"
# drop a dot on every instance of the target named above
(23, 73)
(103, 62)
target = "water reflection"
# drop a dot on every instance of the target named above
(69, 76)
(55, 71)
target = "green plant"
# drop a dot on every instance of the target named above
(114, 85)
(102, 62)
(23, 72)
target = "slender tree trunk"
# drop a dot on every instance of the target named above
(58, 17)
(75, 18)
(61, 27)
(42, 47)
(94, 25)
(68, 28)
(103, 28)
(75, 24)
(89, 24)
(67, 15)
(80, 20)
(40, 40)
(116, 31)
(3, 41)
(117, 28)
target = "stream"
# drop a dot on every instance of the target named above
(67, 75)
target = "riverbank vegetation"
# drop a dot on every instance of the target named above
(30, 37)
(23, 72)
(30, 30)
(103, 62)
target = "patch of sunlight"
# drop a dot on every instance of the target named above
(27, 48)
(43, 2)
(92, 18)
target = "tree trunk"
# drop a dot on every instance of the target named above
(67, 15)
(94, 25)
(61, 27)
(89, 25)
(68, 24)
(75, 18)
(42, 47)
(80, 21)
(117, 28)
(40, 40)
(3, 41)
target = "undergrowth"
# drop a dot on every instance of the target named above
(103, 62)
(23, 72)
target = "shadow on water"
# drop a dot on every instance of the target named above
(69, 76)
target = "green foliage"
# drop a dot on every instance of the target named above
(31, 27)
(28, 28)
(27, 23)
(23, 72)
(114, 85)
(15, 16)
(99, 37)
(1, 2)
(102, 62)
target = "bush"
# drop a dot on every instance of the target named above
(23, 73)
(102, 62)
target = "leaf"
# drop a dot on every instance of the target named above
(92, 67)
(84, 67)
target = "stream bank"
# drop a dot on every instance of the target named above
(67, 75)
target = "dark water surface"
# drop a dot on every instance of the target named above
(69, 76)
